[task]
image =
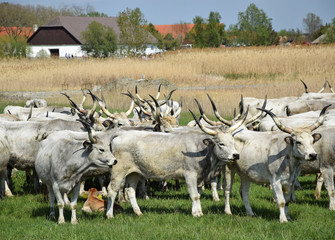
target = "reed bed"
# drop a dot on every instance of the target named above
(225, 74)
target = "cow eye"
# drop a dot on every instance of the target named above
(221, 144)
(101, 150)
(298, 143)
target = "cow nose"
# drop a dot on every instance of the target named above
(236, 156)
(312, 156)
(111, 165)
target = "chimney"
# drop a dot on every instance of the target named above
(35, 27)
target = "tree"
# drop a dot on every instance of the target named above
(330, 33)
(133, 36)
(255, 27)
(312, 23)
(214, 30)
(199, 32)
(100, 41)
(151, 29)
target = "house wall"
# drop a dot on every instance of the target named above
(74, 50)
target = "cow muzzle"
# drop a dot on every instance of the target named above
(236, 156)
(312, 156)
(112, 163)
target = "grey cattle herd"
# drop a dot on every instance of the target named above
(270, 141)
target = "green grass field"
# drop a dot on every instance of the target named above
(167, 215)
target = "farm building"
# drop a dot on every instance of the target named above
(61, 37)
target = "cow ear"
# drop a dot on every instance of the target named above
(317, 137)
(87, 145)
(289, 140)
(207, 141)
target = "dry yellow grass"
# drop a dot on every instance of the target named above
(253, 72)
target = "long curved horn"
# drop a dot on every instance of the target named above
(213, 123)
(321, 118)
(259, 114)
(241, 107)
(306, 88)
(158, 92)
(202, 127)
(74, 105)
(156, 110)
(132, 105)
(277, 121)
(102, 105)
(89, 130)
(177, 113)
(138, 96)
(330, 87)
(94, 107)
(323, 88)
(228, 123)
(142, 108)
(84, 98)
(30, 112)
(239, 123)
(167, 98)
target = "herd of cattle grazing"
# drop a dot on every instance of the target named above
(270, 141)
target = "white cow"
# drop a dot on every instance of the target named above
(272, 158)
(160, 156)
(64, 160)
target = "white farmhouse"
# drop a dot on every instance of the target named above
(61, 37)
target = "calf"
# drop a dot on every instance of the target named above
(95, 204)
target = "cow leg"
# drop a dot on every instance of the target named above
(219, 180)
(8, 192)
(37, 186)
(215, 194)
(132, 180)
(60, 203)
(142, 188)
(244, 192)
(328, 176)
(82, 188)
(191, 182)
(101, 180)
(319, 183)
(2, 183)
(113, 188)
(279, 197)
(228, 184)
(73, 204)
(52, 202)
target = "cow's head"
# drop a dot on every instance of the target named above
(222, 143)
(301, 139)
(98, 152)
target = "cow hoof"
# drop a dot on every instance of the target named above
(216, 199)
(61, 221)
(197, 214)
(138, 213)
(74, 222)
(109, 216)
(52, 216)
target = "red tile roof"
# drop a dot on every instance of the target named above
(175, 29)
(26, 31)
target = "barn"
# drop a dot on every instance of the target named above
(61, 37)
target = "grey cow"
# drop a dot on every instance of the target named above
(186, 154)
(64, 159)
(273, 158)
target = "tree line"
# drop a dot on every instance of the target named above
(254, 28)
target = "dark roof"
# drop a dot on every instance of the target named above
(76, 25)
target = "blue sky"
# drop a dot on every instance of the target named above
(285, 14)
